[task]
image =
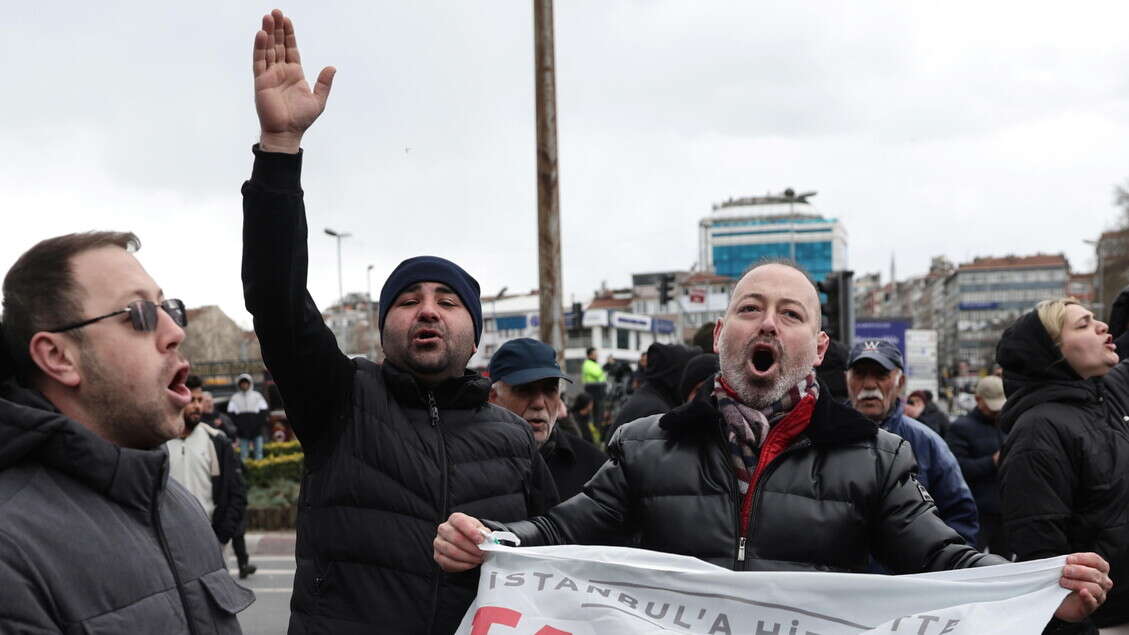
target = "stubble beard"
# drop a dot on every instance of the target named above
(123, 413)
(453, 354)
(756, 392)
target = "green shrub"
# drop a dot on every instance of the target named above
(279, 493)
(281, 449)
(277, 449)
(260, 472)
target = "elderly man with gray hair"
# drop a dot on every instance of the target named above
(875, 380)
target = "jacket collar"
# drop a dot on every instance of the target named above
(893, 420)
(832, 423)
(558, 444)
(468, 391)
(32, 429)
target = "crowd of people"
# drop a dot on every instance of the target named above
(115, 502)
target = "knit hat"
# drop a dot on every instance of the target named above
(433, 269)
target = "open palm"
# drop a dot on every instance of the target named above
(283, 100)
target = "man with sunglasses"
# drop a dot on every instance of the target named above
(94, 536)
(390, 449)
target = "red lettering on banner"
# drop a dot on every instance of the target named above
(487, 616)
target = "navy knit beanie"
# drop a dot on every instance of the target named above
(433, 269)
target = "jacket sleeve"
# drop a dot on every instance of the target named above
(228, 514)
(1036, 493)
(909, 536)
(298, 348)
(597, 515)
(24, 605)
(974, 468)
(951, 494)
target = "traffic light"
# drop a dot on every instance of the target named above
(839, 306)
(665, 282)
(577, 315)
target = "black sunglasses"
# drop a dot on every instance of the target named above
(142, 314)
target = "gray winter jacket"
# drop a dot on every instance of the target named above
(95, 538)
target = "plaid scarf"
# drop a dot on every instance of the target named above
(747, 427)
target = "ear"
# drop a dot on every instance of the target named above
(901, 381)
(717, 332)
(822, 342)
(56, 355)
(493, 398)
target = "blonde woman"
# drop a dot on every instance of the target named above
(1064, 473)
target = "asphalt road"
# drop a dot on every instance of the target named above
(273, 554)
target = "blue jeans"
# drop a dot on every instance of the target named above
(245, 447)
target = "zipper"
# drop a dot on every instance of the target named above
(736, 500)
(433, 413)
(168, 553)
(754, 513)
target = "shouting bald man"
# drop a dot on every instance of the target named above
(763, 470)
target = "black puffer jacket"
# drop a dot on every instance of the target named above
(1064, 482)
(387, 460)
(95, 538)
(842, 490)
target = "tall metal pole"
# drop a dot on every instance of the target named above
(371, 326)
(340, 286)
(548, 199)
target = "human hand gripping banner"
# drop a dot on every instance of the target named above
(578, 590)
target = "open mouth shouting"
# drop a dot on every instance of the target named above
(426, 337)
(178, 392)
(765, 356)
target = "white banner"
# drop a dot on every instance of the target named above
(575, 590)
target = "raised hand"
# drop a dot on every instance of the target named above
(283, 100)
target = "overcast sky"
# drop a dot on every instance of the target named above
(957, 129)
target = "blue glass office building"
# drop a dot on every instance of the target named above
(741, 232)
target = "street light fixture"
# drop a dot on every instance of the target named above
(340, 286)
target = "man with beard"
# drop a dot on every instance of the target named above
(875, 382)
(94, 537)
(527, 382)
(762, 470)
(390, 449)
(218, 420)
(202, 460)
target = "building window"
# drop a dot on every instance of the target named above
(623, 339)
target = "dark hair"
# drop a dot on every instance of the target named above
(193, 382)
(581, 402)
(40, 293)
(589, 351)
(703, 338)
(923, 395)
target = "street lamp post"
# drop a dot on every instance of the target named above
(371, 326)
(340, 286)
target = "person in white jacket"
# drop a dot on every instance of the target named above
(249, 409)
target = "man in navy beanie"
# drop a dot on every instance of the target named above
(392, 449)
